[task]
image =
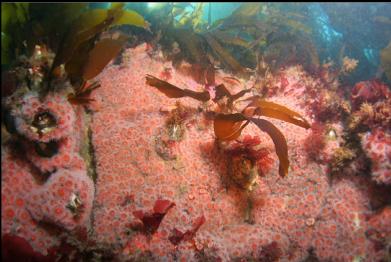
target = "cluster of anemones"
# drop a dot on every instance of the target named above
(45, 128)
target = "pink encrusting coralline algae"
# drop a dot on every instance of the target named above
(164, 198)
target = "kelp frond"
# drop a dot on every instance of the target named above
(262, 107)
(102, 53)
(192, 19)
(224, 56)
(279, 143)
(85, 57)
(222, 91)
(91, 23)
(228, 127)
(175, 92)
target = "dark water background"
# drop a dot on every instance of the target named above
(356, 30)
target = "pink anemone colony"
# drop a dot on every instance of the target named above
(160, 198)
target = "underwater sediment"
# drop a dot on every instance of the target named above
(136, 169)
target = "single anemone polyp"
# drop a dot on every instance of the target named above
(43, 123)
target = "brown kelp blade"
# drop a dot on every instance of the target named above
(190, 41)
(279, 143)
(201, 96)
(230, 39)
(168, 89)
(130, 17)
(222, 91)
(240, 94)
(88, 20)
(74, 67)
(91, 23)
(175, 92)
(270, 109)
(102, 53)
(247, 10)
(229, 127)
(85, 27)
(224, 56)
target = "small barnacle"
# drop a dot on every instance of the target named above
(310, 222)
(176, 132)
(75, 204)
(176, 123)
(164, 146)
(43, 123)
(332, 134)
(177, 164)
